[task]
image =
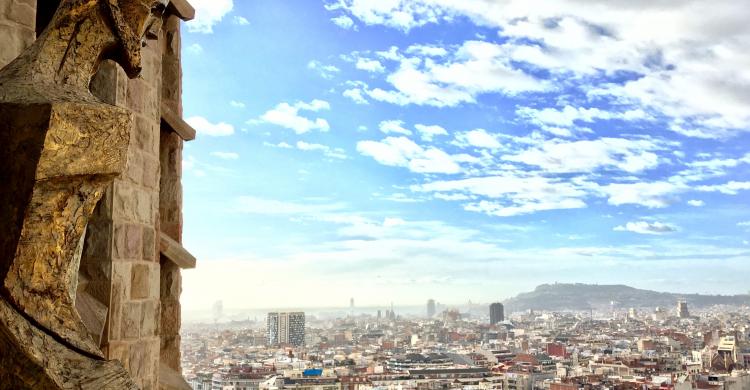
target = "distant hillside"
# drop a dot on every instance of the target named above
(595, 296)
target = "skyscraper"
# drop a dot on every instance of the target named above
(497, 313)
(430, 308)
(286, 328)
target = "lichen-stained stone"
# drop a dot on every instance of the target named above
(61, 148)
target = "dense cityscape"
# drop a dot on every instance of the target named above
(474, 347)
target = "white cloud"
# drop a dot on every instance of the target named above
(282, 145)
(729, 188)
(195, 49)
(682, 67)
(696, 203)
(208, 13)
(451, 197)
(356, 95)
(650, 194)
(393, 126)
(204, 127)
(325, 71)
(369, 65)
(403, 152)
(478, 138)
(344, 22)
(743, 224)
(226, 155)
(427, 50)
(236, 104)
(645, 227)
(428, 132)
(560, 122)
(511, 194)
(327, 150)
(472, 69)
(287, 115)
(240, 20)
(631, 156)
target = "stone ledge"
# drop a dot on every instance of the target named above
(173, 251)
(182, 9)
(177, 124)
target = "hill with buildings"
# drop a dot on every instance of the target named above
(562, 296)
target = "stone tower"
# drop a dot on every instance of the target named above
(128, 282)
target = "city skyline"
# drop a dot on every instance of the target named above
(463, 149)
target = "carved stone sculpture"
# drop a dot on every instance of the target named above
(59, 148)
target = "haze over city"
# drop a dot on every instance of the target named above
(463, 150)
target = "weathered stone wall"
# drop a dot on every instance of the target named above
(17, 28)
(134, 306)
(170, 201)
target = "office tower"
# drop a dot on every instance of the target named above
(497, 313)
(430, 308)
(286, 328)
(682, 309)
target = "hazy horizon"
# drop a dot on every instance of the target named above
(463, 149)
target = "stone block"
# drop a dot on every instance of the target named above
(13, 39)
(97, 243)
(145, 134)
(145, 210)
(128, 241)
(170, 318)
(152, 105)
(150, 319)
(170, 351)
(131, 321)
(154, 282)
(110, 83)
(120, 292)
(150, 247)
(139, 361)
(134, 168)
(119, 350)
(133, 203)
(140, 283)
(152, 65)
(171, 280)
(23, 13)
(150, 172)
(137, 94)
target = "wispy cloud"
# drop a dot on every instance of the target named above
(344, 22)
(204, 127)
(646, 227)
(325, 71)
(288, 116)
(208, 13)
(403, 152)
(240, 20)
(226, 155)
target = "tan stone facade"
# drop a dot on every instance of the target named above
(131, 257)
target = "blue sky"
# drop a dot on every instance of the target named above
(463, 149)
